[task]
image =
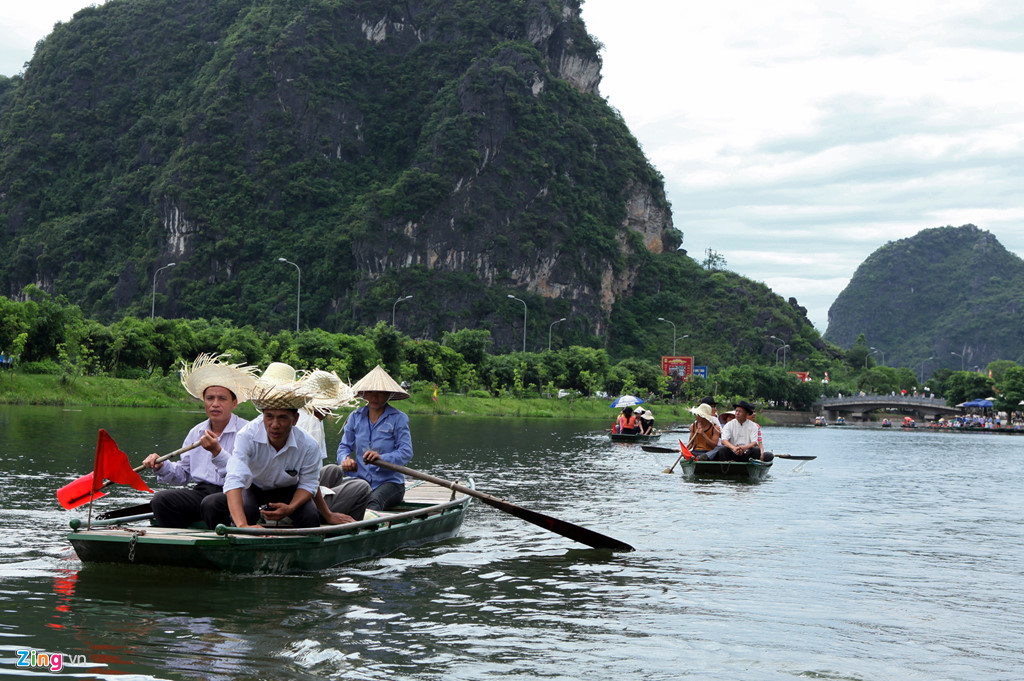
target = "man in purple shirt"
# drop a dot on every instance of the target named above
(218, 385)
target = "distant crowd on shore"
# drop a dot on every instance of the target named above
(991, 422)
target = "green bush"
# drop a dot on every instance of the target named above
(43, 366)
(479, 393)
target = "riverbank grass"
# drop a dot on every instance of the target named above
(166, 391)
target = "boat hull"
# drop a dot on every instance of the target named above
(746, 471)
(204, 549)
(633, 437)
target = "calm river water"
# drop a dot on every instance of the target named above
(893, 555)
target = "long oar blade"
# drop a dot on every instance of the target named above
(795, 457)
(575, 532)
(658, 450)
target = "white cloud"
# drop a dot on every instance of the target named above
(796, 138)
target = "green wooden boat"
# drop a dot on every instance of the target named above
(633, 437)
(745, 471)
(430, 513)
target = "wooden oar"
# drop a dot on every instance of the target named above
(575, 532)
(80, 491)
(669, 450)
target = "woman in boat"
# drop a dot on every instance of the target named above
(645, 421)
(377, 431)
(627, 422)
(705, 431)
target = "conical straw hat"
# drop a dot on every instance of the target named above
(328, 391)
(209, 370)
(379, 380)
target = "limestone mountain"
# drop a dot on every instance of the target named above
(942, 291)
(456, 151)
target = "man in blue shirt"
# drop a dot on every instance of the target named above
(377, 431)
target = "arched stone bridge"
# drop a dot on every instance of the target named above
(860, 406)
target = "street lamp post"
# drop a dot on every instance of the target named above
(662, 319)
(922, 367)
(400, 299)
(961, 359)
(298, 292)
(881, 353)
(152, 308)
(551, 326)
(782, 348)
(783, 343)
(524, 318)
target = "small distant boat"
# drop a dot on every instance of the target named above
(744, 471)
(633, 437)
(886, 423)
(841, 421)
(820, 421)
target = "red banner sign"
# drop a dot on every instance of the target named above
(804, 376)
(678, 368)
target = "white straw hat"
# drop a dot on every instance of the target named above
(209, 370)
(290, 396)
(327, 390)
(704, 411)
(379, 380)
(277, 373)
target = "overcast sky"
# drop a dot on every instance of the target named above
(796, 138)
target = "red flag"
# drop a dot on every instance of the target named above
(112, 464)
(687, 454)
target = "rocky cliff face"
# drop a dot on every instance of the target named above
(448, 148)
(940, 294)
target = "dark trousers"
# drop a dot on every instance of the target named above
(216, 511)
(350, 494)
(386, 496)
(723, 453)
(183, 506)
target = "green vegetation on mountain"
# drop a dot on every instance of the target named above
(452, 150)
(950, 297)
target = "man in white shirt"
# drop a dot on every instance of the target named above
(218, 385)
(739, 440)
(274, 468)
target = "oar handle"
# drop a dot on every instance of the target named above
(163, 458)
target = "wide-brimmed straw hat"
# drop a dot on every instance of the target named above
(210, 370)
(703, 410)
(379, 380)
(646, 415)
(328, 391)
(277, 373)
(287, 396)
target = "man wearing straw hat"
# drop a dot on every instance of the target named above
(274, 467)
(377, 431)
(219, 386)
(341, 499)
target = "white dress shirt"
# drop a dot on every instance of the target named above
(200, 465)
(254, 461)
(739, 435)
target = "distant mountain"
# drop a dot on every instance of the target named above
(456, 151)
(942, 291)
